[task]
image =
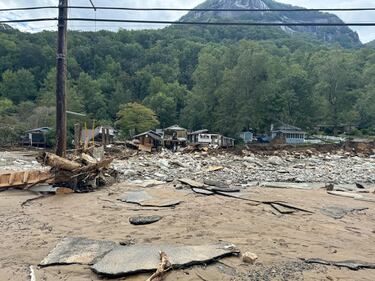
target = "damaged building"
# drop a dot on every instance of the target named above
(149, 141)
(175, 137)
(203, 137)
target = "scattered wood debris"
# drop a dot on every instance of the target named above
(163, 267)
(24, 180)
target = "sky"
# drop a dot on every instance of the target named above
(366, 33)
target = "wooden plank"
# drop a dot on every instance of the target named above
(25, 178)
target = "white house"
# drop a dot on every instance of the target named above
(204, 138)
(291, 134)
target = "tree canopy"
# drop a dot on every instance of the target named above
(135, 118)
(224, 79)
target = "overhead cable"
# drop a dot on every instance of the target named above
(198, 22)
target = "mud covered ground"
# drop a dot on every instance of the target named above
(31, 230)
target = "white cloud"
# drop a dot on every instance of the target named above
(366, 33)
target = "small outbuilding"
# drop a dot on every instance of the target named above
(97, 134)
(36, 137)
(247, 136)
(148, 141)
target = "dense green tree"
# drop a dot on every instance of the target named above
(135, 118)
(164, 107)
(18, 85)
(6, 105)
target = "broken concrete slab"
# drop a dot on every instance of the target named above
(228, 190)
(136, 196)
(142, 220)
(203, 191)
(75, 250)
(215, 168)
(365, 199)
(345, 194)
(338, 212)
(145, 199)
(219, 184)
(161, 203)
(307, 186)
(148, 183)
(192, 183)
(123, 261)
(282, 209)
(353, 265)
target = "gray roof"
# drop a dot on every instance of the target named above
(152, 134)
(288, 129)
(175, 128)
(204, 131)
(40, 130)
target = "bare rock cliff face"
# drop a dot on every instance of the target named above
(340, 34)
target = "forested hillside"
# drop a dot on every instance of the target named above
(198, 77)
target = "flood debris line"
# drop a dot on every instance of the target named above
(127, 260)
(353, 265)
(77, 250)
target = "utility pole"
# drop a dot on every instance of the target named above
(61, 79)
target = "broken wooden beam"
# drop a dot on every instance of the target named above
(57, 162)
(25, 178)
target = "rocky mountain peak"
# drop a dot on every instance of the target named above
(242, 4)
(335, 34)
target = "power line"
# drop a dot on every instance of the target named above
(92, 4)
(197, 22)
(193, 9)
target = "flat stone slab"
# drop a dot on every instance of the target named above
(337, 212)
(219, 184)
(293, 185)
(77, 251)
(192, 183)
(282, 209)
(203, 191)
(141, 220)
(123, 261)
(135, 196)
(144, 199)
(353, 265)
(345, 194)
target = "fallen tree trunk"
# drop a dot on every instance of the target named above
(58, 162)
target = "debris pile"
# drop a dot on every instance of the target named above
(82, 172)
(248, 169)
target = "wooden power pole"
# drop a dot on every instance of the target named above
(61, 79)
